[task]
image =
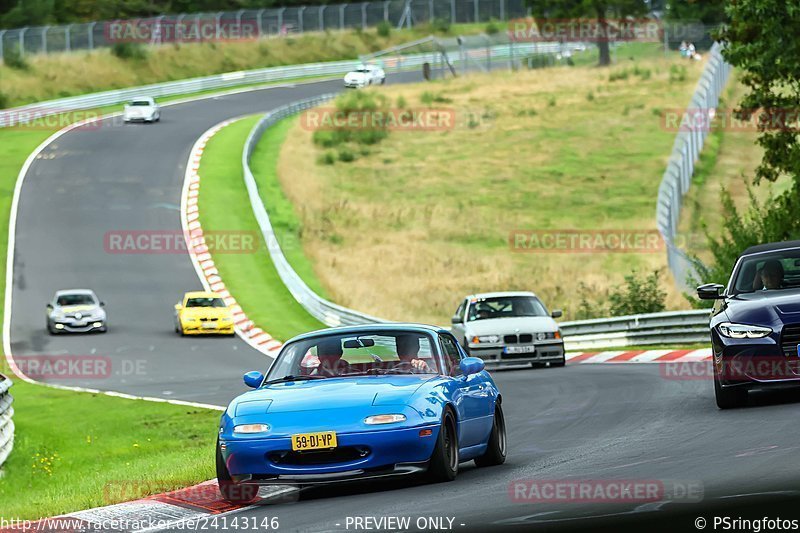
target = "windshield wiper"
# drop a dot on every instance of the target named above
(289, 378)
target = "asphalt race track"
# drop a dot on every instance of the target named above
(590, 422)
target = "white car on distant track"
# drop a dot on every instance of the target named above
(143, 109)
(365, 75)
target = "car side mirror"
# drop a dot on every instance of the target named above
(49, 305)
(253, 379)
(102, 304)
(710, 291)
(471, 365)
(178, 307)
(455, 319)
(557, 313)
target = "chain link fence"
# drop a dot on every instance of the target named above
(251, 23)
(678, 176)
(6, 422)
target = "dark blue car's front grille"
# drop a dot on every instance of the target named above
(790, 339)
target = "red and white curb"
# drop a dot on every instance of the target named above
(640, 356)
(201, 257)
(192, 508)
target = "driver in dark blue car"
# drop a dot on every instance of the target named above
(770, 276)
(408, 351)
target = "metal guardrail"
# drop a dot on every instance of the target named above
(398, 63)
(678, 327)
(326, 312)
(685, 151)
(257, 23)
(6, 422)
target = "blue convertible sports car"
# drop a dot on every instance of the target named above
(755, 324)
(358, 403)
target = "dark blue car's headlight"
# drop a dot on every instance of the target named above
(743, 331)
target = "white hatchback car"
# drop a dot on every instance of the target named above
(143, 109)
(509, 328)
(365, 75)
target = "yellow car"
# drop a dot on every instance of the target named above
(201, 313)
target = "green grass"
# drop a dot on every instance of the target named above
(75, 451)
(224, 206)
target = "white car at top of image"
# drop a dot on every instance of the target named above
(76, 311)
(509, 328)
(143, 109)
(365, 75)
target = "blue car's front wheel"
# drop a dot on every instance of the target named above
(238, 493)
(444, 460)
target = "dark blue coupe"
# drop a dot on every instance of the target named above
(755, 324)
(361, 402)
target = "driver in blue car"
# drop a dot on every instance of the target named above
(408, 352)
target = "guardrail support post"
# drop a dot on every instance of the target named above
(22, 41)
(90, 31)
(364, 15)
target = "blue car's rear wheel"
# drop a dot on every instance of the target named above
(239, 493)
(444, 461)
(496, 449)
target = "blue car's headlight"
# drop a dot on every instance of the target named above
(249, 429)
(384, 419)
(743, 331)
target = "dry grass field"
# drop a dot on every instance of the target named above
(424, 217)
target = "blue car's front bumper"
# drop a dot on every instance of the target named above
(359, 455)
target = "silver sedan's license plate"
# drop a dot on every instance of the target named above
(520, 349)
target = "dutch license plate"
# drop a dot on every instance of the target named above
(314, 441)
(520, 349)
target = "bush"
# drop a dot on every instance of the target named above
(129, 51)
(14, 59)
(441, 25)
(540, 61)
(492, 28)
(384, 29)
(3, 100)
(346, 155)
(619, 75)
(367, 107)
(638, 295)
(328, 158)
(430, 98)
(590, 96)
(677, 73)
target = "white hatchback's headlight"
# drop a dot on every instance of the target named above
(743, 331)
(251, 428)
(384, 419)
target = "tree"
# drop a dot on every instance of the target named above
(601, 10)
(761, 40)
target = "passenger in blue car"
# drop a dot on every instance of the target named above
(769, 276)
(408, 353)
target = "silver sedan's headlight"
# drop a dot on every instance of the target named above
(485, 339)
(743, 331)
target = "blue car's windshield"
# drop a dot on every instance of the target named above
(369, 353)
(768, 272)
